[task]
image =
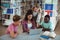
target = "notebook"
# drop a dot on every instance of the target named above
(50, 34)
(43, 37)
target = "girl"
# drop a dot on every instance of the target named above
(12, 29)
(28, 22)
(37, 14)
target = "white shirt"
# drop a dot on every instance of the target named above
(29, 25)
(39, 15)
(38, 18)
(34, 13)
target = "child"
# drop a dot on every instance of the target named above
(12, 29)
(46, 24)
(37, 14)
(28, 22)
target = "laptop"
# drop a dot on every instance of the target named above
(35, 31)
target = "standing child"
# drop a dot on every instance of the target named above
(37, 14)
(12, 29)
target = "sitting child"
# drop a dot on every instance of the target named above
(28, 22)
(12, 29)
(46, 24)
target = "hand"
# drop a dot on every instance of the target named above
(15, 35)
(28, 30)
(37, 25)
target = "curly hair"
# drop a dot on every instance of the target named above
(47, 16)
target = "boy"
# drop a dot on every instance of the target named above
(12, 30)
(46, 24)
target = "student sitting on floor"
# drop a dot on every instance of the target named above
(28, 22)
(12, 29)
(46, 24)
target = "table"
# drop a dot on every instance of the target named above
(25, 36)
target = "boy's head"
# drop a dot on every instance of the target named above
(16, 19)
(46, 18)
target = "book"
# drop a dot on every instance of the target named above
(50, 34)
(45, 37)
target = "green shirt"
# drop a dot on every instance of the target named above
(46, 25)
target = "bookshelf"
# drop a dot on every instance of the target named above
(20, 8)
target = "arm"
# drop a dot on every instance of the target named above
(25, 29)
(20, 30)
(40, 25)
(39, 15)
(12, 34)
(38, 18)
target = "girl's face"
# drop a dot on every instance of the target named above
(46, 20)
(29, 17)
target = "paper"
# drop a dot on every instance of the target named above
(50, 34)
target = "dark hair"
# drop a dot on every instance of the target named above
(29, 12)
(47, 16)
(16, 18)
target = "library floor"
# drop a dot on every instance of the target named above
(3, 29)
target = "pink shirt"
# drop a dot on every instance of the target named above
(11, 27)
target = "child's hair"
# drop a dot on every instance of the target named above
(16, 18)
(47, 16)
(29, 12)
